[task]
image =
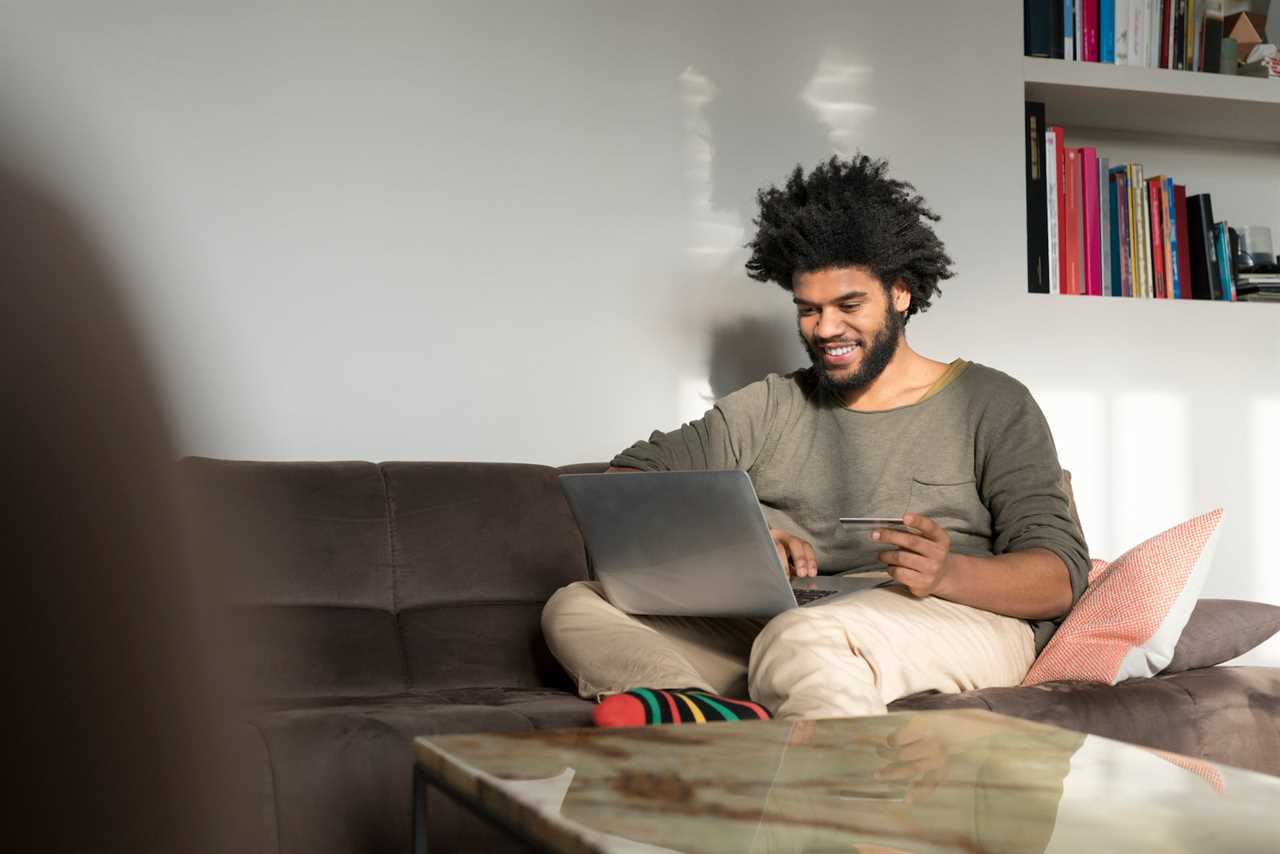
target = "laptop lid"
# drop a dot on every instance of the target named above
(691, 543)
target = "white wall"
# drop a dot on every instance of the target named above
(512, 230)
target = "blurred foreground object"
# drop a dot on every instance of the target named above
(119, 732)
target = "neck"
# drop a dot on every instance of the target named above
(901, 375)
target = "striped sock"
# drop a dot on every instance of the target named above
(654, 706)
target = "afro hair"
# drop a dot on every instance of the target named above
(847, 213)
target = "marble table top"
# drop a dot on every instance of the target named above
(932, 781)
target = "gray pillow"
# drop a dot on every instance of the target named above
(1221, 629)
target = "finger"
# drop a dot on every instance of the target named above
(914, 542)
(916, 584)
(782, 557)
(811, 557)
(907, 560)
(795, 547)
(924, 525)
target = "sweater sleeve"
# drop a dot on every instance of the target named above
(730, 436)
(1020, 484)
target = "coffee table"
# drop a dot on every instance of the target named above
(932, 781)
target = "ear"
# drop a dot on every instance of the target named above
(900, 296)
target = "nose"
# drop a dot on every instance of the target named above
(830, 324)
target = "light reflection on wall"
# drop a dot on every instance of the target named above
(1074, 416)
(1151, 469)
(715, 233)
(832, 93)
(1263, 438)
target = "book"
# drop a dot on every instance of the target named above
(1107, 32)
(1157, 32)
(1115, 285)
(1060, 150)
(1123, 20)
(1055, 44)
(1088, 30)
(1201, 243)
(1037, 233)
(1211, 55)
(1156, 230)
(1051, 207)
(1184, 248)
(1074, 256)
(1124, 275)
(1092, 224)
(1139, 32)
(1037, 27)
(1104, 224)
(1222, 246)
(1141, 233)
(1068, 30)
(1170, 233)
(1166, 33)
(1177, 49)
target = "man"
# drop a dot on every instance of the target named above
(960, 450)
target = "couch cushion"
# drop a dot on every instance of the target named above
(1223, 714)
(478, 549)
(304, 553)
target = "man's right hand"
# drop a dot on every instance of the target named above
(797, 555)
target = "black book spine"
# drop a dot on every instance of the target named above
(1204, 258)
(1178, 59)
(1037, 27)
(1056, 32)
(1037, 193)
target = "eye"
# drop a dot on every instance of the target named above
(805, 311)
(850, 307)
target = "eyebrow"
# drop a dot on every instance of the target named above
(845, 297)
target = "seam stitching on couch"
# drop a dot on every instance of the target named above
(275, 789)
(395, 593)
(1195, 705)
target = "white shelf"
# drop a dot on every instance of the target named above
(1155, 100)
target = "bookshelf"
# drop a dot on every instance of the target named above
(1215, 134)
(1155, 100)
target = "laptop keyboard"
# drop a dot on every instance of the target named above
(804, 597)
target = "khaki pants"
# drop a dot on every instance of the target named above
(842, 658)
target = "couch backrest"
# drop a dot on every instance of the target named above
(356, 579)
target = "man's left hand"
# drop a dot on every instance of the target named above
(921, 561)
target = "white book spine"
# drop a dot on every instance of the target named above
(1144, 232)
(1138, 32)
(1153, 16)
(1051, 207)
(1122, 32)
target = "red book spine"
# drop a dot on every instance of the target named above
(1184, 241)
(1166, 31)
(1157, 239)
(1089, 23)
(1061, 150)
(1071, 252)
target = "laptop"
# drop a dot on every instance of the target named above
(690, 544)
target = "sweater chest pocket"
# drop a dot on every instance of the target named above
(952, 503)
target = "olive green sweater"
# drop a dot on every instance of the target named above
(975, 455)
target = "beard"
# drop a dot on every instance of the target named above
(875, 358)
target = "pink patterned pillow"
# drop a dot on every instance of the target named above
(1129, 619)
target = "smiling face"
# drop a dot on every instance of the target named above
(849, 324)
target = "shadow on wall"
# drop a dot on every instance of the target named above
(747, 349)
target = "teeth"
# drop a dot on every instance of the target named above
(840, 351)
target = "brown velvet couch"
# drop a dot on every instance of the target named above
(385, 601)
